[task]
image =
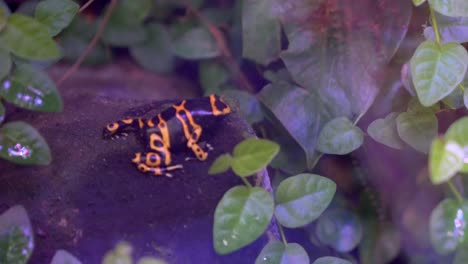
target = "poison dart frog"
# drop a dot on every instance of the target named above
(180, 125)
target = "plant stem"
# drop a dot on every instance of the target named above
(435, 26)
(91, 45)
(358, 118)
(246, 182)
(461, 87)
(455, 191)
(283, 237)
(315, 161)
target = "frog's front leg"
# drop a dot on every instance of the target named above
(192, 143)
(150, 162)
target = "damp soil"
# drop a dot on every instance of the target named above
(92, 196)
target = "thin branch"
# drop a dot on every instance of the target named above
(225, 52)
(435, 26)
(455, 191)
(91, 45)
(86, 5)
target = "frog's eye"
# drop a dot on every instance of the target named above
(112, 126)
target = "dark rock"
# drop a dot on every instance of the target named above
(92, 196)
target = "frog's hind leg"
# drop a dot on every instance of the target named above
(150, 162)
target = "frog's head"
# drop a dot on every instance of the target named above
(218, 106)
(120, 128)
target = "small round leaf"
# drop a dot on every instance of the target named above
(276, 252)
(2, 112)
(5, 63)
(458, 133)
(384, 130)
(241, 216)
(221, 164)
(64, 257)
(339, 228)
(197, 43)
(16, 236)
(56, 14)
(21, 143)
(212, 75)
(447, 225)
(32, 89)
(302, 199)
(155, 53)
(418, 2)
(252, 155)
(417, 129)
(150, 260)
(121, 254)
(437, 70)
(445, 160)
(28, 38)
(331, 260)
(453, 8)
(339, 136)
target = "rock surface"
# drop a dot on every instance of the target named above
(92, 196)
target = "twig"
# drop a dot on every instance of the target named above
(91, 45)
(86, 5)
(225, 52)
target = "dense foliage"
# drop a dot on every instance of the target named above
(320, 66)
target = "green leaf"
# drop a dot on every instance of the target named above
(196, 43)
(64, 257)
(302, 199)
(465, 98)
(155, 53)
(150, 260)
(414, 106)
(331, 260)
(437, 70)
(212, 75)
(461, 255)
(252, 155)
(451, 29)
(2, 112)
(241, 216)
(124, 35)
(340, 229)
(75, 39)
(249, 106)
(452, 8)
(3, 16)
(122, 254)
(458, 133)
(325, 55)
(21, 143)
(28, 38)
(56, 14)
(5, 63)
(261, 31)
(131, 12)
(283, 101)
(384, 130)
(418, 2)
(455, 99)
(219, 16)
(276, 252)
(417, 129)
(445, 160)
(447, 225)
(16, 236)
(339, 136)
(32, 89)
(221, 164)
